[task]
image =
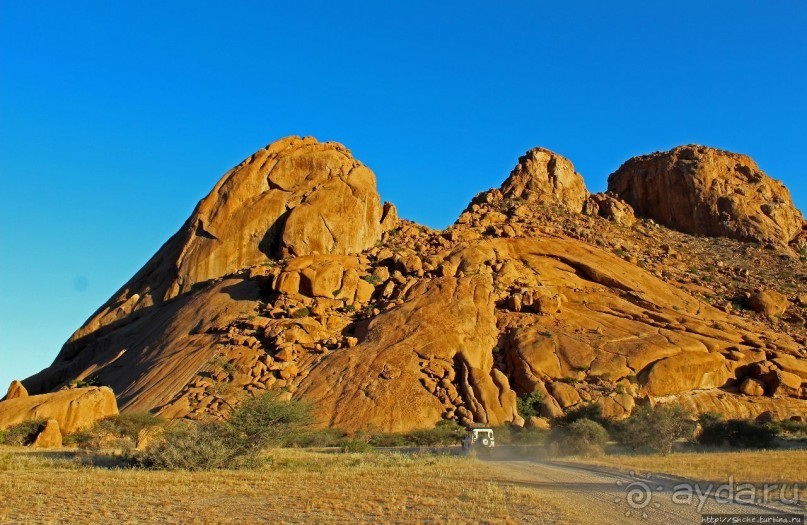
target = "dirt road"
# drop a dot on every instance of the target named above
(604, 496)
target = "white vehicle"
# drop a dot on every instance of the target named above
(477, 439)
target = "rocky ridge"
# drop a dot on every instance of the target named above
(292, 277)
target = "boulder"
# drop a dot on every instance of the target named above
(783, 384)
(49, 436)
(686, 371)
(16, 390)
(325, 276)
(74, 409)
(707, 191)
(768, 302)
(537, 422)
(792, 364)
(565, 394)
(609, 207)
(752, 387)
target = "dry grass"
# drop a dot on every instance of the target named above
(768, 466)
(295, 487)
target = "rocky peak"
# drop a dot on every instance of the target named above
(543, 175)
(295, 197)
(707, 191)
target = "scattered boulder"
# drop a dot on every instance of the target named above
(609, 207)
(49, 436)
(707, 191)
(752, 387)
(768, 302)
(783, 384)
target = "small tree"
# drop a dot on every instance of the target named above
(266, 421)
(656, 427)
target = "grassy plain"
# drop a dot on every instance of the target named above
(295, 486)
(759, 466)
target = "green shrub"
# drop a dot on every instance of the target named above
(583, 437)
(529, 405)
(355, 445)
(254, 425)
(789, 427)
(2, 437)
(592, 411)
(389, 439)
(128, 425)
(656, 428)
(739, 433)
(24, 433)
(301, 312)
(514, 435)
(195, 446)
(446, 432)
(119, 431)
(713, 429)
(266, 421)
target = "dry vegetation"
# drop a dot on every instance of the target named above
(295, 486)
(765, 466)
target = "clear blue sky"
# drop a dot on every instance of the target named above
(115, 118)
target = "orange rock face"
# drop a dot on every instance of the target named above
(291, 277)
(706, 191)
(73, 409)
(50, 436)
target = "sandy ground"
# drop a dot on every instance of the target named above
(607, 496)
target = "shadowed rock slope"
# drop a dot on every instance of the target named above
(292, 277)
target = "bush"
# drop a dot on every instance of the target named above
(789, 428)
(515, 435)
(713, 429)
(592, 411)
(301, 312)
(119, 431)
(2, 437)
(254, 425)
(446, 432)
(355, 445)
(583, 437)
(529, 405)
(656, 428)
(739, 433)
(265, 421)
(24, 433)
(195, 446)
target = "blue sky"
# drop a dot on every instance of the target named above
(115, 118)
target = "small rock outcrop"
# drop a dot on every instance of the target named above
(706, 191)
(16, 390)
(49, 436)
(74, 409)
(542, 175)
